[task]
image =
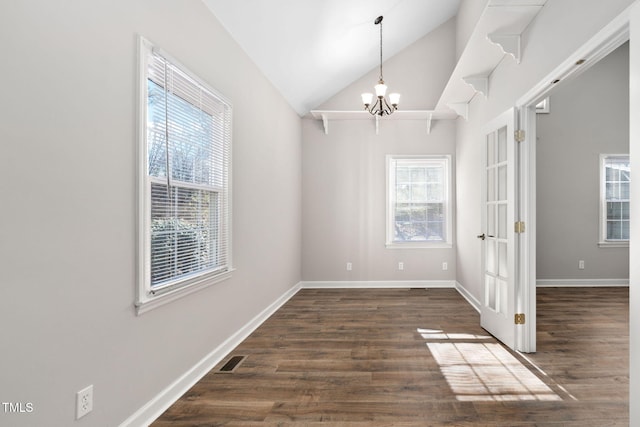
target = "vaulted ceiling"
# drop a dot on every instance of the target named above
(312, 49)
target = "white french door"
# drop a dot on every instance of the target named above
(498, 237)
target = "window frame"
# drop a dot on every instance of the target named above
(603, 241)
(440, 159)
(148, 298)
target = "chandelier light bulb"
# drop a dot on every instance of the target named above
(367, 98)
(394, 98)
(381, 90)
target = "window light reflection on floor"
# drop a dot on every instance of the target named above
(479, 369)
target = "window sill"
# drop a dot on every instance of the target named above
(606, 244)
(150, 302)
(419, 245)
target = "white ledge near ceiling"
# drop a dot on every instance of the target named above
(496, 34)
(429, 116)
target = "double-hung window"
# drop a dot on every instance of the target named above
(418, 201)
(184, 206)
(615, 180)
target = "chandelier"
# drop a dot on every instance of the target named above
(381, 107)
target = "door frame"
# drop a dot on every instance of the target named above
(604, 42)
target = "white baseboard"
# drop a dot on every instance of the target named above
(466, 295)
(542, 283)
(156, 406)
(399, 284)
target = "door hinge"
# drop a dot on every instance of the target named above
(519, 319)
(519, 135)
(519, 227)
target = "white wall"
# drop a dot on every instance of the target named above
(546, 43)
(68, 218)
(589, 116)
(344, 172)
(344, 201)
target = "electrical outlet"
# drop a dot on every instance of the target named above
(401, 265)
(445, 266)
(84, 402)
(349, 266)
(581, 264)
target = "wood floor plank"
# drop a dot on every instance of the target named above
(415, 357)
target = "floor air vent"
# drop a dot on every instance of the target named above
(231, 364)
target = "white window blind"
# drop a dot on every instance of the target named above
(187, 150)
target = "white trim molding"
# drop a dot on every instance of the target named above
(156, 406)
(145, 303)
(364, 284)
(568, 283)
(473, 301)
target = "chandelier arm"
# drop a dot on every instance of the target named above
(380, 108)
(373, 108)
(391, 108)
(387, 110)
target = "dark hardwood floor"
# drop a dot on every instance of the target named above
(416, 357)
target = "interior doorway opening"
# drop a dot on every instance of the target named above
(583, 178)
(604, 43)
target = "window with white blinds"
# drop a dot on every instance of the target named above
(186, 153)
(615, 181)
(418, 201)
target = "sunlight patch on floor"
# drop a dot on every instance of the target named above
(484, 371)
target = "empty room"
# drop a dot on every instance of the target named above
(330, 212)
